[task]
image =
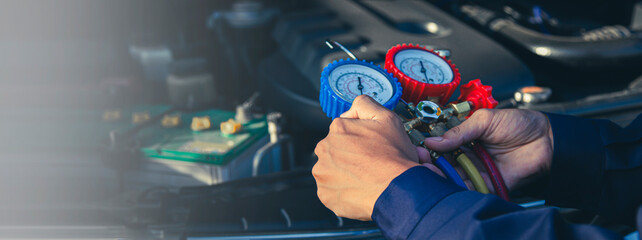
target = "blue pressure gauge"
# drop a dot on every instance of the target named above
(342, 81)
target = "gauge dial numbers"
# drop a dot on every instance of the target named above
(344, 80)
(423, 74)
(424, 66)
(351, 80)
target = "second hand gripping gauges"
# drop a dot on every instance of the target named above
(425, 75)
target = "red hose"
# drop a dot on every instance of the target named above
(495, 176)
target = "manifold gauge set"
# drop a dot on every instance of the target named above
(417, 84)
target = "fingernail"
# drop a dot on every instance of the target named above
(435, 139)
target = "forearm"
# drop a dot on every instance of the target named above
(445, 211)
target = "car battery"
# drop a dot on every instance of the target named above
(176, 155)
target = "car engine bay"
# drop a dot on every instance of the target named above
(198, 120)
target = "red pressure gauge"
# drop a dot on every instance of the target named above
(422, 73)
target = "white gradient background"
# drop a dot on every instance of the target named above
(53, 55)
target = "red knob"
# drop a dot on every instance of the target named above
(479, 96)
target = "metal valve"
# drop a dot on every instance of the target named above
(478, 95)
(427, 111)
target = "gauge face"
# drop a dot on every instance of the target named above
(424, 66)
(351, 80)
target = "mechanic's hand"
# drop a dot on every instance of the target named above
(364, 151)
(520, 142)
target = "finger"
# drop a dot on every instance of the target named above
(469, 130)
(424, 155)
(364, 107)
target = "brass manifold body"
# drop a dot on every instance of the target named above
(428, 117)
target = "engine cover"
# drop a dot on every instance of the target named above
(369, 28)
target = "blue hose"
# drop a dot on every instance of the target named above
(449, 171)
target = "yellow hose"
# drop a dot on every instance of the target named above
(472, 173)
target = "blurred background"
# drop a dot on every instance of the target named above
(198, 119)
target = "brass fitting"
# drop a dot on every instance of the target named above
(461, 109)
(412, 124)
(437, 129)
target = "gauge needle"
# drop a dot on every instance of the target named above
(423, 70)
(360, 86)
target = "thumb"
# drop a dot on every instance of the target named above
(364, 107)
(471, 129)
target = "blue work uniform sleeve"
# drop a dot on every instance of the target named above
(597, 167)
(420, 204)
(589, 155)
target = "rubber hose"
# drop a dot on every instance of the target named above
(495, 175)
(472, 172)
(450, 171)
